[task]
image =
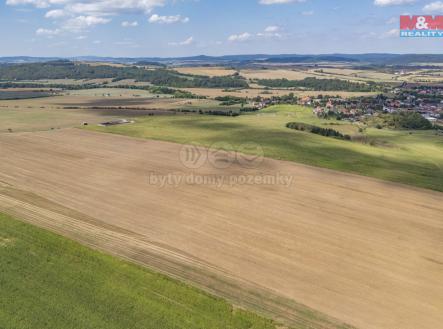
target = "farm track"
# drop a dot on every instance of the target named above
(360, 250)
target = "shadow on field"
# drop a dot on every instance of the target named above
(320, 151)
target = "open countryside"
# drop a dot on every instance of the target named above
(219, 192)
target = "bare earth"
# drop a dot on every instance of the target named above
(209, 71)
(265, 93)
(365, 252)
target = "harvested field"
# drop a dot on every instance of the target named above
(120, 101)
(343, 73)
(276, 74)
(319, 73)
(363, 251)
(208, 71)
(123, 100)
(36, 119)
(111, 92)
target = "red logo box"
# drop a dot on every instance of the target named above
(423, 22)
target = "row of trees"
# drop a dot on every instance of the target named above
(327, 132)
(162, 90)
(320, 84)
(230, 100)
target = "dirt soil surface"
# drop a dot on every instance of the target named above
(364, 252)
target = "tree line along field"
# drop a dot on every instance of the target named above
(408, 157)
(48, 281)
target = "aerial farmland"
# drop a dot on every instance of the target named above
(217, 192)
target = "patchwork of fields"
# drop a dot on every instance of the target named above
(329, 72)
(298, 236)
(260, 91)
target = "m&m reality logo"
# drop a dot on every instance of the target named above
(421, 26)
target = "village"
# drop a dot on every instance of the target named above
(426, 100)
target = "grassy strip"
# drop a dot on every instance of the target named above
(409, 157)
(48, 281)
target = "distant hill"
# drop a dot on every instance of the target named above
(362, 59)
(311, 59)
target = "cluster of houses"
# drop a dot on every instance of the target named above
(260, 102)
(426, 101)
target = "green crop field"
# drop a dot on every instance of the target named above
(48, 281)
(409, 157)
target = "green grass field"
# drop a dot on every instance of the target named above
(48, 281)
(414, 158)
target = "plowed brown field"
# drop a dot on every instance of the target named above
(362, 251)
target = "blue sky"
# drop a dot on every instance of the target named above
(214, 27)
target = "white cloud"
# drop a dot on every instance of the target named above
(390, 34)
(56, 13)
(81, 14)
(434, 7)
(240, 37)
(384, 3)
(392, 20)
(187, 42)
(81, 37)
(129, 24)
(35, 3)
(277, 2)
(168, 19)
(47, 32)
(109, 7)
(272, 29)
(93, 6)
(80, 23)
(127, 43)
(307, 13)
(270, 32)
(269, 35)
